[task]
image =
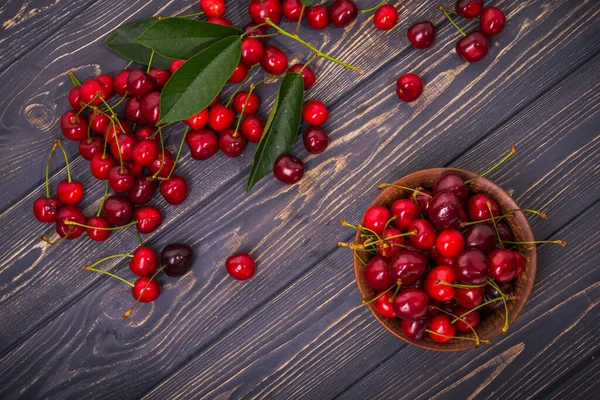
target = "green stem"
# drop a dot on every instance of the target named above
(239, 87)
(458, 285)
(74, 79)
(178, 152)
(162, 146)
(383, 185)
(452, 21)
(559, 242)
(100, 271)
(139, 237)
(300, 19)
(66, 160)
(128, 312)
(478, 307)
(103, 200)
(365, 302)
(360, 258)
(493, 284)
(114, 228)
(489, 207)
(54, 146)
(239, 121)
(108, 258)
(451, 337)
(150, 62)
(190, 15)
(382, 2)
(498, 218)
(513, 151)
(478, 341)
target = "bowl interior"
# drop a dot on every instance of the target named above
(491, 326)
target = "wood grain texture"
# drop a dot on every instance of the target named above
(584, 384)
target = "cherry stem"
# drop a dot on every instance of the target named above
(114, 228)
(54, 146)
(162, 147)
(100, 271)
(311, 47)
(371, 243)
(59, 144)
(84, 107)
(454, 337)
(178, 154)
(300, 19)
(237, 126)
(498, 218)
(74, 79)
(130, 311)
(103, 200)
(139, 237)
(384, 185)
(150, 62)
(451, 20)
(398, 285)
(478, 307)
(477, 340)
(382, 2)
(451, 10)
(359, 228)
(239, 87)
(562, 243)
(541, 214)
(62, 239)
(493, 284)
(360, 258)
(489, 207)
(513, 151)
(249, 31)
(366, 302)
(108, 258)
(458, 285)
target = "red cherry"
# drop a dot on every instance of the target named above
(92, 92)
(257, 11)
(117, 210)
(453, 182)
(133, 111)
(220, 21)
(444, 210)
(308, 75)
(467, 321)
(414, 329)
(478, 210)
(253, 128)
(69, 213)
(220, 117)
(203, 144)
(45, 209)
(146, 132)
(150, 107)
(101, 164)
(98, 235)
(292, 9)
(249, 104)
(315, 139)
(410, 303)
(503, 265)
(108, 83)
(472, 47)
(139, 83)
(492, 21)
(383, 304)
(342, 12)
(75, 98)
(504, 231)
(91, 146)
(376, 218)
(471, 267)
(198, 121)
(409, 87)
(441, 324)
(145, 152)
(135, 168)
(317, 17)
(161, 76)
(423, 198)
(252, 51)
(435, 287)
(174, 190)
(162, 168)
(274, 61)
(481, 237)
(70, 192)
(142, 191)
(145, 290)
(315, 112)
(123, 146)
(469, 297)
(73, 126)
(232, 145)
(212, 8)
(405, 211)
(425, 237)
(99, 122)
(256, 31)
(175, 64)
(377, 274)
(385, 17)
(120, 82)
(116, 129)
(422, 34)
(468, 8)
(120, 179)
(240, 266)
(148, 218)
(144, 261)
(288, 169)
(408, 266)
(391, 246)
(450, 242)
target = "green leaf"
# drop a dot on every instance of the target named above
(307, 3)
(121, 41)
(281, 129)
(199, 80)
(181, 38)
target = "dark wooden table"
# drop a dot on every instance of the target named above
(297, 329)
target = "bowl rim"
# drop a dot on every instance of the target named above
(523, 287)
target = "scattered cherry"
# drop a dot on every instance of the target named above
(258, 14)
(288, 169)
(174, 190)
(385, 17)
(160, 168)
(70, 192)
(383, 304)
(492, 21)
(253, 128)
(120, 82)
(468, 8)
(240, 266)
(342, 12)
(175, 65)
(161, 76)
(73, 126)
(252, 51)
(317, 17)
(212, 8)
(118, 210)
(98, 235)
(145, 290)
(45, 209)
(203, 144)
(220, 21)
(177, 259)
(199, 120)
(144, 261)
(292, 9)
(120, 178)
(148, 218)
(139, 83)
(232, 144)
(239, 74)
(409, 87)
(421, 35)
(248, 102)
(69, 213)
(101, 164)
(274, 60)
(142, 191)
(220, 117)
(472, 47)
(315, 112)
(307, 73)
(315, 139)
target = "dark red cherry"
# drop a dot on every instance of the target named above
(120, 82)
(414, 329)
(444, 210)
(45, 209)
(274, 61)
(91, 146)
(212, 8)
(98, 235)
(409, 87)
(383, 304)
(75, 98)
(292, 9)
(425, 237)
(288, 169)
(405, 211)
(471, 267)
(441, 324)
(117, 210)
(133, 111)
(253, 128)
(434, 283)
(439, 259)
(315, 112)
(161, 77)
(376, 218)
(478, 210)
(467, 321)
(145, 290)
(423, 198)
(421, 35)
(177, 258)
(504, 231)
(317, 17)
(492, 293)
(432, 310)
(142, 191)
(221, 117)
(203, 144)
(308, 75)
(120, 179)
(73, 126)
(453, 182)
(268, 8)
(148, 218)
(92, 92)
(123, 146)
(232, 144)
(408, 266)
(246, 102)
(492, 21)
(257, 32)
(481, 237)
(377, 274)
(450, 242)
(174, 190)
(392, 242)
(468, 8)
(145, 152)
(147, 132)
(100, 165)
(410, 303)
(139, 83)
(150, 107)
(469, 297)
(69, 213)
(252, 51)
(144, 261)
(198, 121)
(342, 12)
(240, 266)
(386, 17)
(520, 263)
(99, 122)
(315, 139)
(472, 47)
(160, 168)
(175, 65)
(70, 192)
(503, 265)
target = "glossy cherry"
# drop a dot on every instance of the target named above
(423, 198)
(468, 321)
(441, 324)
(409, 87)
(425, 237)
(220, 21)
(115, 129)
(376, 218)
(292, 9)
(253, 128)
(139, 83)
(469, 297)
(307, 73)
(142, 191)
(240, 266)
(468, 8)
(270, 8)
(145, 152)
(317, 17)
(492, 21)
(386, 17)
(98, 235)
(408, 266)
(120, 82)
(503, 265)
(421, 35)
(45, 209)
(274, 60)
(203, 144)
(162, 168)
(444, 210)
(248, 102)
(239, 74)
(175, 65)
(73, 126)
(123, 146)
(342, 12)
(145, 290)
(175, 189)
(504, 231)
(69, 213)
(101, 164)
(410, 303)
(383, 304)
(177, 258)
(392, 242)
(108, 83)
(199, 120)
(220, 117)
(315, 139)
(471, 267)
(150, 107)
(70, 192)
(212, 8)
(147, 132)
(450, 242)
(232, 144)
(120, 179)
(288, 169)
(257, 32)
(92, 92)
(434, 283)
(473, 47)
(492, 293)
(144, 261)
(453, 182)
(252, 51)
(414, 329)
(148, 218)
(133, 111)
(161, 76)
(99, 122)
(118, 210)
(377, 274)
(405, 211)
(481, 237)
(315, 112)
(75, 98)
(478, 210)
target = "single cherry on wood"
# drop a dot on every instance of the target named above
(177, 259)
(386, 17)
(421, 35)
(409, 87)
(144, 261)
(288, 169)
(240, 266)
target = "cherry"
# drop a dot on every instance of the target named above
(503, 265)
(146, 132)
(421, 35)
(450, 242)
(232, 144)
(161, 77)
(145, 290)
(376, 218)
(268, 8)
(477, 207)
(315, 139)
(124, 146)
(73, 126)
(469, 297)
(101, 164)
(423, 198)
(385, 17)
(481, 237)
(145, 152)
(220, 21)
(274, 61)
(175, 65)
(108, 83)
(492, 293)
(414, 329)
(93, 92)
(174, 190)
(148, 218)
(441, 324)
(99, 122)
(468, 8)
(453, 182)
(220, 117)
(257, 32)
(467, 322)
(444, 210)
(520, 263)
(253, 128)
(392, 242)
(308, 75)
(434, 283)
(292, 9)
(117, 210)
(240, 266)
(408, 266)
(70, 192)
(120, 82)
(288, 169)
(425, 237)
(492, 21)
(317, 17)
(177, 259)
(203, 144)
(342, 12)
(144, 261)
(75, 98)
(142, 191)
(133, 111)
(246, 102)
(69, 213)
(212, 8)
(504, 231)
(405, 212)
(45, 209)
(150, 107)
(471, 267)
(409, 87)
(120, 178)
(139, 83)
(252, 51)
(160, 168)
(199, 120)
(115, 129)
(134, 167)
(98, 235)
(91, 146)
(410, 303)
(383, 304)
(314, 112)
(473, 47)
(432, 310)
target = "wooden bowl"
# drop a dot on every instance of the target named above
(492, 325)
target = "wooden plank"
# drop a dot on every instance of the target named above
(318, 314)
(582, 385)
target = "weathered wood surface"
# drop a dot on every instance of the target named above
(297, 329)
